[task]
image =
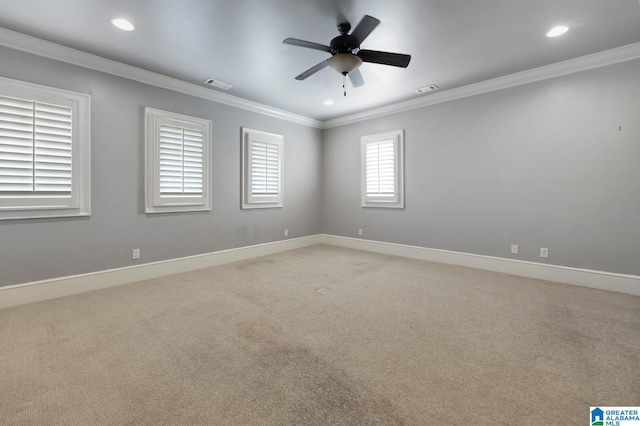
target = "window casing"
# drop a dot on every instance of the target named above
(45, 151)
(382, 168)
(178, 162)
(262, 158)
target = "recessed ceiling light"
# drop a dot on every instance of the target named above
(328, 102)
(123, 24)
(557, 31)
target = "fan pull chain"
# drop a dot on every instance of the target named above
(344, 82)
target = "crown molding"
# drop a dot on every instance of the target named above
(595, 60)
(36, 46)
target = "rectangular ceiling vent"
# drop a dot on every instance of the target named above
(217, 83)
(429, 88)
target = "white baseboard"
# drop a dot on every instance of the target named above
(621, 283)
(38, 291)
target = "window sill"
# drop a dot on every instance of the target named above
(42, 214)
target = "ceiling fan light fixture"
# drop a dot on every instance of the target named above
(344, 63)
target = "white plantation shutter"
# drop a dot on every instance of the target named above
(382, 170)
(178, 162)
(181, 161)
(35, 148)
(265, 166)
(262, 169)
(16, 145)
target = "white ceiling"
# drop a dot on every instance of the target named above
(452, 42)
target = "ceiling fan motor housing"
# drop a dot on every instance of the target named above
(344, 44)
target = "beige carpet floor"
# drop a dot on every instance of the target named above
(321, 336)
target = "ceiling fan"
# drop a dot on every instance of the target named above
(346, 55)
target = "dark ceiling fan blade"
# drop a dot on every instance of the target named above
(307, 44)
(385, 58)
(364, 28)
(356, 78)
(314, 69)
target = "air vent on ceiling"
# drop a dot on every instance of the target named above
(219, 84)
(429, 88)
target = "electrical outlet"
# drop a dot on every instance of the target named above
(514, 249)
(286, 232)
(360, 231)
(135, 254)
(544, 252)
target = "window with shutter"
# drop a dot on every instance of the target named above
(261, 169)
(44, 151)
(178, 162)
(382, 170)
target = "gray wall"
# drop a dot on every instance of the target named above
(539, 165)
(47, 248)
